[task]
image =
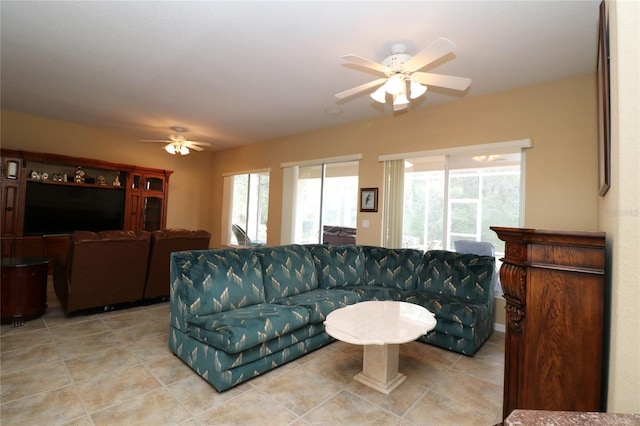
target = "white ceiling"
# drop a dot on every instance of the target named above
(241, 72)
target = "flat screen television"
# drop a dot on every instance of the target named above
(62, 209)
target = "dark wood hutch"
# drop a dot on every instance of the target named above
(144, 191)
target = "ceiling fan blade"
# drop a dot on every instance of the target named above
(367, 63)
(437, 50)
(197, 143)
(440, 80)
(154, 140)
(194, 147)
(360, 88)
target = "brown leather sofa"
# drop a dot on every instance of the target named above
(110, 268)
(163, 243)
(338, 235)
(102, 269)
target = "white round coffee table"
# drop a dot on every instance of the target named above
(381, 326)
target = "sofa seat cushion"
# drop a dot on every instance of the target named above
(322, 302)
(465, 276)
(389, 267)
(287, 270)
(465, 312)
(224, 360)
(338, 266)
(240, 329)
(220, 280)
(376, 292)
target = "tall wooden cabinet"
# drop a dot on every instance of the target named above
(144, 190)
(147, 207)
(553, 283)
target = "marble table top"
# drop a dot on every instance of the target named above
(569, 418)
(379, 323)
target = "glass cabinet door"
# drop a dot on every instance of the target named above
(152, 213)
(154, 184)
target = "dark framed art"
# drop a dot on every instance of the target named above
(368, 199)
(604, 106)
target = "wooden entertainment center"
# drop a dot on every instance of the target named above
(107, 194)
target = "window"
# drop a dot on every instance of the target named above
(327, 196)
(458, 197)
(318, 196)
(247, 206)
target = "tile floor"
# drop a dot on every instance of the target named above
(115, 369)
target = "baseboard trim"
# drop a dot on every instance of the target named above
(499, 327)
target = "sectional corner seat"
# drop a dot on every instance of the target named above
(236, 313)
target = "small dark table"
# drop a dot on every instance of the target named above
(24, 289)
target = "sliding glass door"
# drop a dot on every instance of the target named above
(326, 195)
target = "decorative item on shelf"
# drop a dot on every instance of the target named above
(45, 176)
(35, 175)
(100, 180)
(79, 175)
(116, 181)
(56, 177)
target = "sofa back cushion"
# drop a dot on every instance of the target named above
(103, 268)
(338, 266)
(163, 243)
(212, 281)
(287, 270)
(393, 268)
(467, 276)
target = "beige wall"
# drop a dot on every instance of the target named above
(561, 168)
(619, 209)
(189, 198)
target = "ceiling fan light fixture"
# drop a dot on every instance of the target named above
(416, 89)
(379, 95)
(171, 149)
(395, 84)
(400, 99)
(184, 150)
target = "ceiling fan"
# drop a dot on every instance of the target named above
(401, 68)
(178, 143)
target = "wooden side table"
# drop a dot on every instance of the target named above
(24, 289)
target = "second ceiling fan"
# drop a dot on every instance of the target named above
(401, 69)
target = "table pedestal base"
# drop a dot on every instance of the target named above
(380, 368)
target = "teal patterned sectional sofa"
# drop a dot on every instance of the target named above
(237, 313)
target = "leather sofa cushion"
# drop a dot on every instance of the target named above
(220, 280)
(389, 267)
(338, 266)
(465, 276)
(163, 243)
(321, 302)
(288, 270)
(240, 329)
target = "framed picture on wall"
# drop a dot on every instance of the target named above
(604, 106)
(368, 199)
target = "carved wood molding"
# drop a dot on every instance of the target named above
(513, 279)
(514, 250)
(515, 314)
